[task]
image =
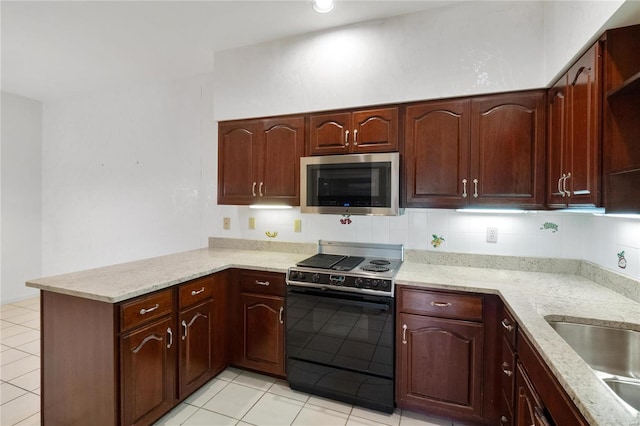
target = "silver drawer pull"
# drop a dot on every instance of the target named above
(504, 369)
(504, 419)
(170, 333)
(506, 325)
(441, 304)
(196, 292)
(464, 188)
(404, 334)
(144, 311)
(264, 283)
(281, 312)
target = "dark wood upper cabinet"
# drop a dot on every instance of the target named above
(259, 161)
(436, 154)
(574, 135)
(374, 130)
(508, 150)
(484, 151)
(621, 119)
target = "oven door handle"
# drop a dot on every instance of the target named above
(345, 301)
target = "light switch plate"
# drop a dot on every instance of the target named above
(226, 223)
(252, 223)
(297, 225)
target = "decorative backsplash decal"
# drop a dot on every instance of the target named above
(436, 241)
(345, 219)
(550, 225)
(622, 262)
(271, 234)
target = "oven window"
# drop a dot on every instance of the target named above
(349, 184)
(355, 335)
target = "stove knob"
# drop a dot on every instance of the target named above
(375, 284)
(293, 275)
(385, 285)
(359, 282)
(315, 278)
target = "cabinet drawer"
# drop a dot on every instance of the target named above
(507, 372)
(445, 305)
(195, 291)
(509, 327)
(262, 282)
(145, 309)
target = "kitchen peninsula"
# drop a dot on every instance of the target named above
(532, 297)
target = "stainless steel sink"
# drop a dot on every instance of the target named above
(613, 353)
(627, 390)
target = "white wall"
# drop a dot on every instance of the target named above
(570, 26)
(21, 195)
(123, 174)
(468, 48)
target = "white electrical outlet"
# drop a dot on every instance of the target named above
(492, 235)
(226, 223)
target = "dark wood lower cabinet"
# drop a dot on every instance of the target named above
(258, 333)
(195, 361)
(148, 372)
(529, 409)
(441, 365)
(129, 363)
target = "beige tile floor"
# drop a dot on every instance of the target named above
(234, 397)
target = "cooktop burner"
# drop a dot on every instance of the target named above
(371, 267)
(350, 267)
(380, 262)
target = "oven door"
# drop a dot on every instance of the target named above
(340, 346)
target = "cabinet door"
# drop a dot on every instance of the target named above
(508, 150)
(262, 333)
(529, 410)
(329, 133)
(440, 365)
(148, 369)
(281, 146)
(237, 162)
(584, 147)
(375, 131)
(436, 154)
(195, 360)
(557, 142)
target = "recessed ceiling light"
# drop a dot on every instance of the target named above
(323, 6)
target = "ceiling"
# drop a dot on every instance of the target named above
(58, 49)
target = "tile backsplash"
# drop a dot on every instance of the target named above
(549, 234)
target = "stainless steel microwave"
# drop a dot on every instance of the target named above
(354, 184)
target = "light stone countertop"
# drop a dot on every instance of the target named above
(531, 297)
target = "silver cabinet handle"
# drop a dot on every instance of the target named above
(346, 138)
(144, 311)
(355, 137)
(404, 334)
(564, 185)
(253, 189)
(504, 369)
(186, 326)
(281, 312)
(264, 283)
(194, 292)
(475, 188)
(560, 183)
(260, 189)
(506, 325)
(441, 304)
(504, 419)
(464, 188)
(170, 333)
